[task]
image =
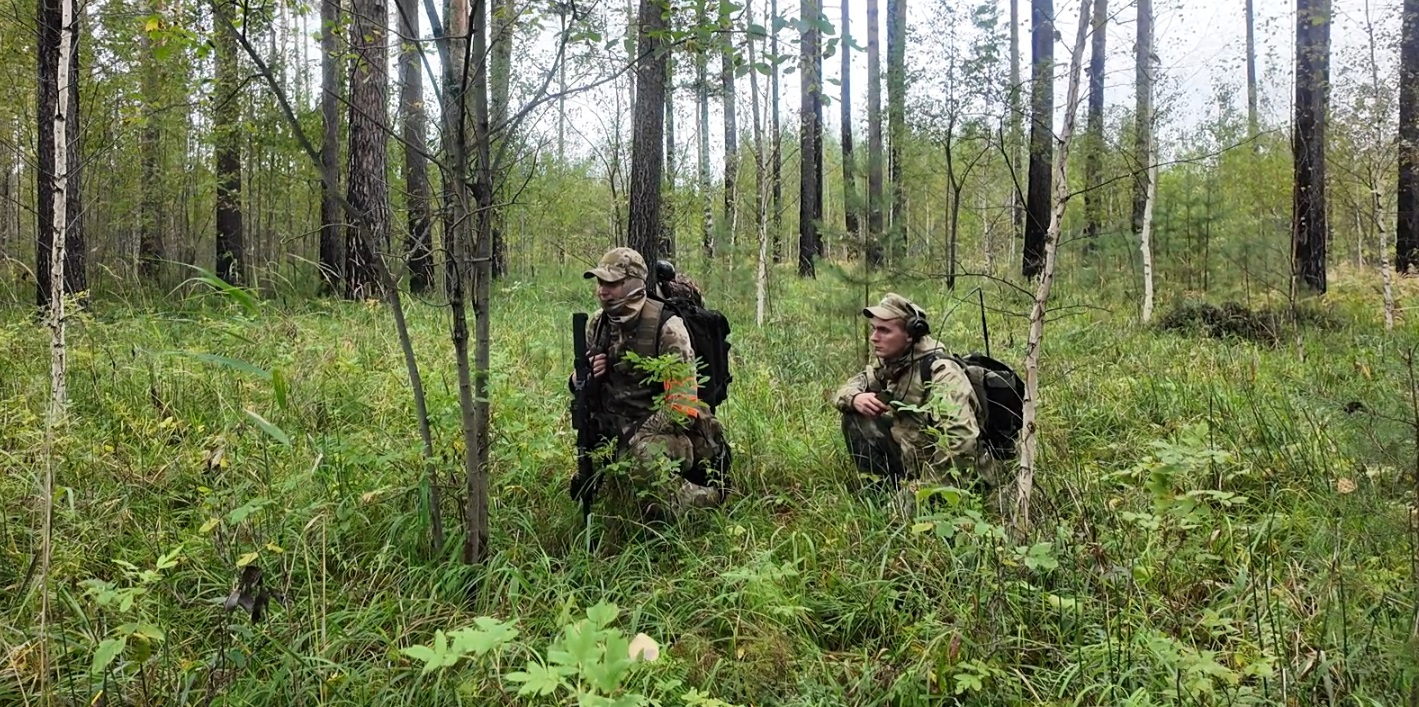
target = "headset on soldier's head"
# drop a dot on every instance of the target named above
(917, 324)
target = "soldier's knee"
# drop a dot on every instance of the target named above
(652, 450)
(858, 428)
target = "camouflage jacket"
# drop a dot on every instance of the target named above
(626, 398)
(899, 382)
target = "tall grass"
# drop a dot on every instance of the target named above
(1219, 523)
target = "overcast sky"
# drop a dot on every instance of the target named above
(1200, 43)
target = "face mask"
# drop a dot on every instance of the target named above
(622, 308)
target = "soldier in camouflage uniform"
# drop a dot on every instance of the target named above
(670, 436)
(913, 370)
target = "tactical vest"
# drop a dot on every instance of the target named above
(626, 397)
(906, 386)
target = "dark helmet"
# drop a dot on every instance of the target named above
(664, 271)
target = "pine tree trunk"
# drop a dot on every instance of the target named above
(1037, 199)
(368, 189)
(1093, 164)
(150, 240)
(226, 128)
(896, 119)
(667, 231)
(420, 246)
(1310, 230)
(332, 248)
(457, 229)
(1406, 257)
(731, 129)
(646, 159)
(850, 205)
(874, 139)
(810, 207)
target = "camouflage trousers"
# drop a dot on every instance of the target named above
(650, 484)
(876, 453)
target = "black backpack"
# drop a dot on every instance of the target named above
(709, 336)
(1001, 393)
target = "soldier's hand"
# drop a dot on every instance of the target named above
(868, 404)
(598, 365)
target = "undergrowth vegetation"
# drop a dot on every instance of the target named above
(1218, 521)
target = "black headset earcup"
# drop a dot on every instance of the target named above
(918, 326)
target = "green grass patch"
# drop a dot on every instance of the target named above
(1219, 521)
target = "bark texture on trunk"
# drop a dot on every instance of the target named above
(1309, 228)
(1029, 441)
(420, 244)
(150, 237)
(1143, 124)
(850, 205)
(504, 24)
(647, 160)
(731, 128)
(1037, 199)
(810, 116)
(226, 126)
(1093, 162)
(332, 249)
(668, 217)
(59, 217)
(369, 188)
(476, 413)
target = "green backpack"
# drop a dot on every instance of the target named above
(1001, 393)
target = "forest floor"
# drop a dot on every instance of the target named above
(1218, 520)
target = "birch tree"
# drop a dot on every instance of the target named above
(1029, 441)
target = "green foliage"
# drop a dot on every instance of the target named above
(1211, 519)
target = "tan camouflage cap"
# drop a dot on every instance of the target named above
(893, 306)
(617, 265)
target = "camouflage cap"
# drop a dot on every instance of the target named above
(617, 265)
(893, 306)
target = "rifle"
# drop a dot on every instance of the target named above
(588, 434)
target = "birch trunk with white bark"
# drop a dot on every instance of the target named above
(1145, 240)
(1029, 442)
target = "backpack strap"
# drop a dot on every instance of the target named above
(924, 365)
(977, 383)
(977, 379)
(653, 315)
